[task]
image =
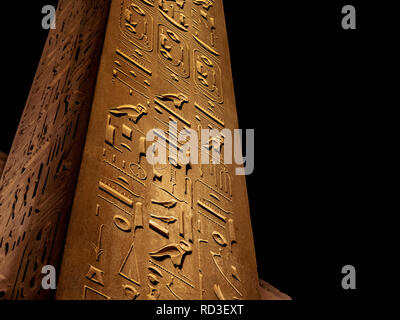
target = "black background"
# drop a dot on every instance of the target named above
(311, 91)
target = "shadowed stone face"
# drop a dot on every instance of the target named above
(37, 186)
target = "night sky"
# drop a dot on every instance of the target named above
(305, 86)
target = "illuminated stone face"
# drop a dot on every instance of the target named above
(137, 230)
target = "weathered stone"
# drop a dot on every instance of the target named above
(38, 182)
(136, 230)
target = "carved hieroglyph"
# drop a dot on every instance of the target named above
(139, 231)
(39, 178)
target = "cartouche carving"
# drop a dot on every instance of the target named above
(174, 51)
(207, 76)
(137, 25)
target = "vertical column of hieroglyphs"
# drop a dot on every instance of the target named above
(38, 182)
(141, 231)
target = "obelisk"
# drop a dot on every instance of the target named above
(139, 230)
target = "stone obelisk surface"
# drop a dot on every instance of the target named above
(169, 231)
(136, 230)
(38, 182)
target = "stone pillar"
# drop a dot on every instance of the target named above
(38, 182)
(138, 230)
(142, 231)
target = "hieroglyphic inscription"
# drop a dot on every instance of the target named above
(206, 33)
(159, 231)
(39, 179)
(174, 51)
